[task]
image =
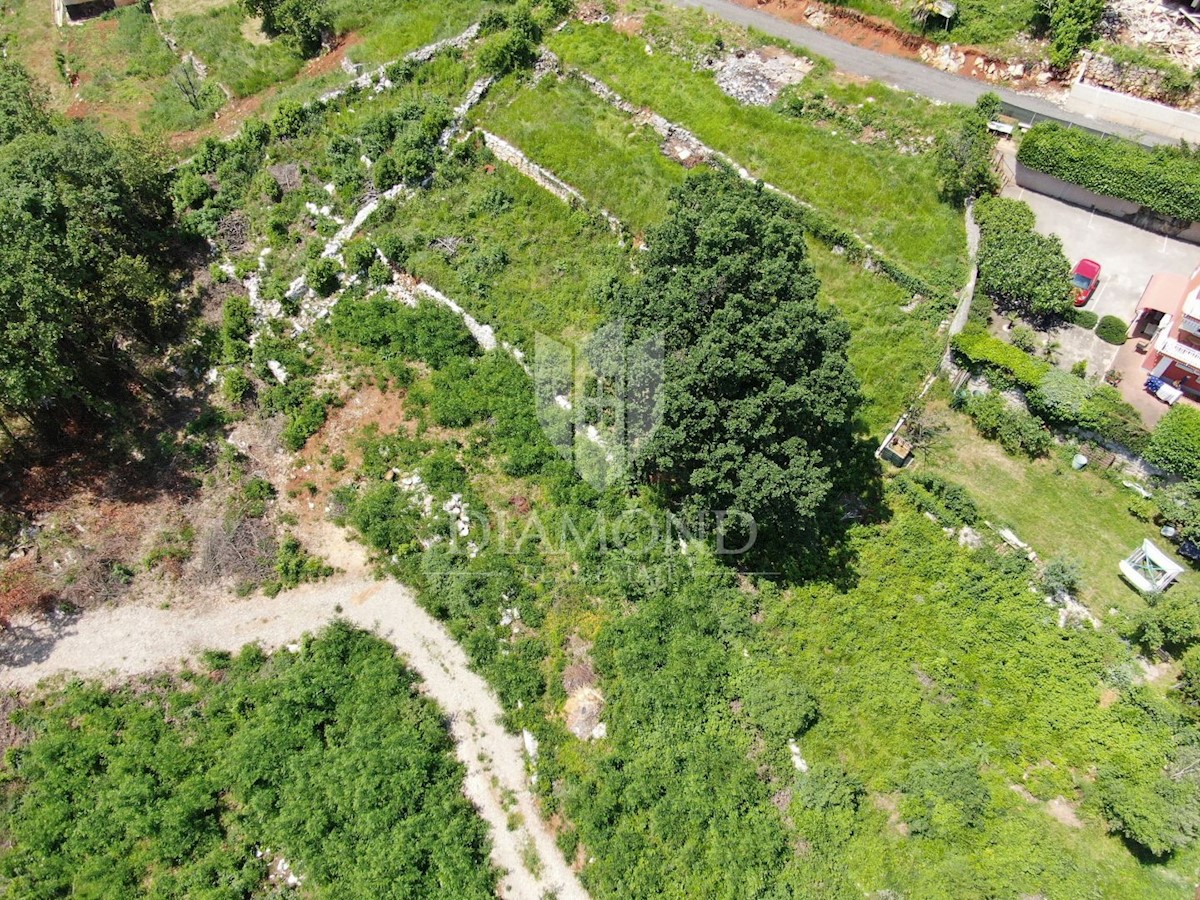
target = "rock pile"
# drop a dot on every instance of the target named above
(1158, 24)
(757, 77)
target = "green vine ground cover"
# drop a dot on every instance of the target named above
(889, 198)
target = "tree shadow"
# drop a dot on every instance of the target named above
(32, 641)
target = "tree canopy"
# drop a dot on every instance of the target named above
(84, 225)
(758, 400)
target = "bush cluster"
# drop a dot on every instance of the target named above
(1018, 267)
(982, 350)
(946, 501)
(1060, 398)
(1112, 329)
(1175, 443)
(1015, 429)
(1165, 179)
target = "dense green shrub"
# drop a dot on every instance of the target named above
(1175, 443)
(1179, 505)
(429, 333)
(322, 275)
(305, 421)
(948, 502)
(1165, 179)
(235, 386)
(964, 156)
(1112, 330)
(294, 566)
(944, 797)
(1072, 26)
(1061, 576)
(982, 349)
(1059, 397)
(1085, 318)
(170, 786)
(237, 320)
(1172, 620)
(1016, 430)
(1018, 267)
(1149, 809)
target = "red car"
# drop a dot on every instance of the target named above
(1084, 278)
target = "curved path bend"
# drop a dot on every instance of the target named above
(137, 638)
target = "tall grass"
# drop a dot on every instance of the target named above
(598, 150)
(889, 198)
(522, 261)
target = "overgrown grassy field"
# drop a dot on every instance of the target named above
(380, 31)
(1051, 507)
(522, 260)
(978, 22)
(121, 65)
(893, 351)
(934, 657)
(563, 126)
(889, 198)
(617, 164)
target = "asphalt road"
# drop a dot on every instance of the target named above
(905, 74)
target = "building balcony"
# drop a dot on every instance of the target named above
(1190, 326)
(1178, 351)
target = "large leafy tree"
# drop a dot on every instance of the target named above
(1018, 267)
(304, 21)
(84, 225)
(758, 400)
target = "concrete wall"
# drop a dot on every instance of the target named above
(1114, 207)
(1101, 103)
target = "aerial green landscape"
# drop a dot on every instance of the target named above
(565, 449)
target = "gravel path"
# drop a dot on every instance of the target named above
(127, 640)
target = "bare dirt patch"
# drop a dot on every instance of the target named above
(1064, 812)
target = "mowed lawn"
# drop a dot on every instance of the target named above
(889, 198)
(1051, 507)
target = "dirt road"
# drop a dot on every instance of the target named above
(136, 638)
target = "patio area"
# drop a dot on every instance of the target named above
(1129, 363)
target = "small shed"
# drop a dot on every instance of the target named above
(897, 451)
(1149, 569)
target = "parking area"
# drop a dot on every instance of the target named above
(1128, 257)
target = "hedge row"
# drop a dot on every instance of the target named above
(1058, 397)
(981, 350)
(1166, 179)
